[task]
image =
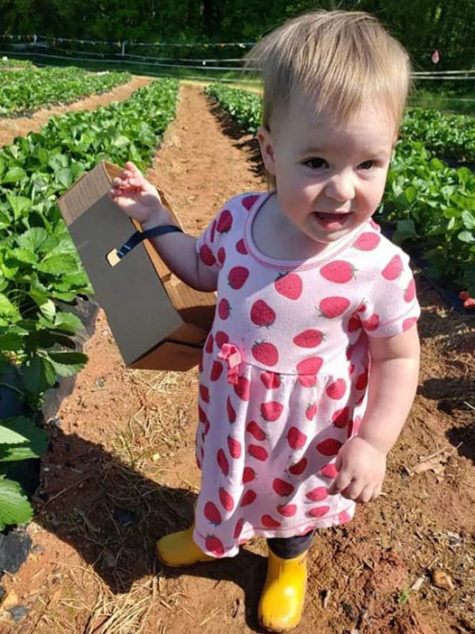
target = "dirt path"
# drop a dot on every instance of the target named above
(21, 126)
(120, 473)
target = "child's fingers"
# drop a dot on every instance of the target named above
(366, 495)
(340, 483)
(133, 168)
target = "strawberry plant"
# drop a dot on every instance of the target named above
(445, 135)
(35, 87)
(40, 272)
(243, 106)
(20, 439)
(432, 208)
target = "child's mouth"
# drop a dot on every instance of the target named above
(331, 221)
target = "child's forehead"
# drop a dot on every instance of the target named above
(307, 110)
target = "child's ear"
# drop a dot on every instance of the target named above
(267, 148)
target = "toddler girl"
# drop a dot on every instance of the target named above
(311, 365)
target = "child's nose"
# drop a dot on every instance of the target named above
(340, 188)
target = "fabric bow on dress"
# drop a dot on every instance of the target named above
(230, 353)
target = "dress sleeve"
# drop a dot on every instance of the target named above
(224, 227)
(207, 244)
(391, 305)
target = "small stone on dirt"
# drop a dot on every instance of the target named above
(18, 613)
(442, 580)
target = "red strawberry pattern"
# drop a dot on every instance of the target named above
(281, 487)
(289, 285)
(270, 380)
(277, 403)
(212, 513)
(393, 268)
(235, 448)
(299, 467)
(253, 428)
(249, 497)
(338, 271)
(332, 307)
(226, 499)
(367, 241)
(310, 338)
(271, 411)
(265, 352)
(214, 545)
(225, 221)
(224, 308)
(262, 314)
(237, 277)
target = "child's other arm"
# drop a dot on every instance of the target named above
(140, 200)
(361, 461)
(392, 386)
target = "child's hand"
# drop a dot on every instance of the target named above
(136, 196)
(361, 468)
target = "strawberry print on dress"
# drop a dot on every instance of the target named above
(269, 430)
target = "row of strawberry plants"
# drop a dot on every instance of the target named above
(40, 273)
(446, 135)
(33, 87)
(430, 205)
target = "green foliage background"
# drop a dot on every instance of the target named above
(422, 25)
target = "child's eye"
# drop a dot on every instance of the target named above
(366, 165)
(316, 163)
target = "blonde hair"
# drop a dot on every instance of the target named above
(339, 59)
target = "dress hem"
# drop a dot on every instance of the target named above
(266, 533)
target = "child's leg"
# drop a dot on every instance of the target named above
(283, 596)
(291, 546)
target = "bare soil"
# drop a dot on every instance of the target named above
(120, 473)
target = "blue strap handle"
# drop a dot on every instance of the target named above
(137, 237)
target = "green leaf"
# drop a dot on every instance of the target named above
(14, 175)
(10, 436)
(121, 141)
(14, 506)
(38, 375)
(68, 363)
(58, 264)
(33, 440)
(468, 220)
(65, 177)
(25, 256)
(466, 236)
(35, 239)
(20, 205)
(48, 309)
(10, 342)
(68, 322)
(7, 309)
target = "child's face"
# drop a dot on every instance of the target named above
(330, 177)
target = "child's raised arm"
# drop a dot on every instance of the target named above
(393, 378)
(140, 200)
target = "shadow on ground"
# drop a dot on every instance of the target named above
(112, 516)
(242, 140)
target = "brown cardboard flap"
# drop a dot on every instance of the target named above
(169, 356)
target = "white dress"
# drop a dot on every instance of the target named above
(284, 373)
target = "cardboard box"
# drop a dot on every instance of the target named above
(158, 321)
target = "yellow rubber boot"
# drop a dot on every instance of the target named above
(179, 549)
(282, 599)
